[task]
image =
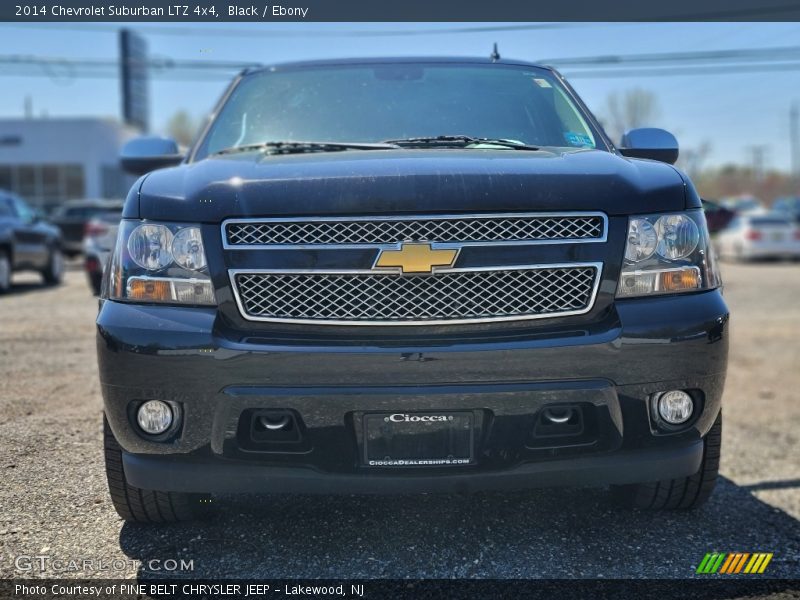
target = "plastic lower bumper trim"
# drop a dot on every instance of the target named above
(185, 474)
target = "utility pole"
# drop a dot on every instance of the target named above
(757, 153)
(794, 141)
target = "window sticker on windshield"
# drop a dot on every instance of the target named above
(542, 83)
(580, 140)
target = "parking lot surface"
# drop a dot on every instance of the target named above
(54, 502)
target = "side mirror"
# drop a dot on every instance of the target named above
(145, 154)
(649, 142)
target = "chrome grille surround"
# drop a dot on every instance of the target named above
(450, 296)
(372, 231)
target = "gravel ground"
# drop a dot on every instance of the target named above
(53, 498)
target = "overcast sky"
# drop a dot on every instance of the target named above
(732, 111)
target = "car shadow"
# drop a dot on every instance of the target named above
(556, 533)
(761, 260)
(26, 282)
(26, 287)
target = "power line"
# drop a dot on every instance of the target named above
(783, 53)
(717, 62)
(62, 69)
(681, 71)
(153, 63)
(794, 139)
(738, 54)
(262, 34)
(188, 77)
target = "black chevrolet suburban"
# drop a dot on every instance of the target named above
(409, 275)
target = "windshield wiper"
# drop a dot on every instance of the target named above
(460, 141)
(291, 147)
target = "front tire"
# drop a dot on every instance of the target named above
(96, 283)
(54, 271)
(146, 506)
(5, 272)
(685, 493)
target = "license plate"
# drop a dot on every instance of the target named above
(777, 237)
(429, 439)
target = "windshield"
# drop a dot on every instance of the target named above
(373, 103)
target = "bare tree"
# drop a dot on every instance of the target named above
(182, 128)
(692, 159)
(629, 109)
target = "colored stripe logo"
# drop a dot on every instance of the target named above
(732, 563)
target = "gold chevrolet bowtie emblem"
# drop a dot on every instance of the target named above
(416, 258)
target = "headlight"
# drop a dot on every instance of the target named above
(148, 246)
(678, 236)
(187, 249)
(667, 254)
(160, 262)
(642, 240)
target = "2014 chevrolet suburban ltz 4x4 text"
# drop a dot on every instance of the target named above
(409, 275)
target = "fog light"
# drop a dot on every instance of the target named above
(675, 407)
(154, 417)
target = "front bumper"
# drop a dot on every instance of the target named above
(219, 476)
(183, 355)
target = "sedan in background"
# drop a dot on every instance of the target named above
(73, 216)
(27, 242)
(759, 236)
(99, 237)
(789, 206)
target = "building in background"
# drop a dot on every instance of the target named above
(48, 161)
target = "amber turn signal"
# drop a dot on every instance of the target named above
(679, 279)
(171, 289)
(153, 290)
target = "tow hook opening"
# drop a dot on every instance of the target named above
(271, 430)
(274, 426)
(558, 416)
(275, 422)
(559, 420)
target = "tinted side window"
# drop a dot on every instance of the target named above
(23, 210)
(6, 209)
(79, 212)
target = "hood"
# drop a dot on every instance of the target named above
(407, 181)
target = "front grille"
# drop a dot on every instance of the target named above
(376, 231)
(445, 297)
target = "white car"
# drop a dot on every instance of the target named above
(759, 236)
(744, 205)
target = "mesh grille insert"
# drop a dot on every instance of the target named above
(391, 298)
(506, 228)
